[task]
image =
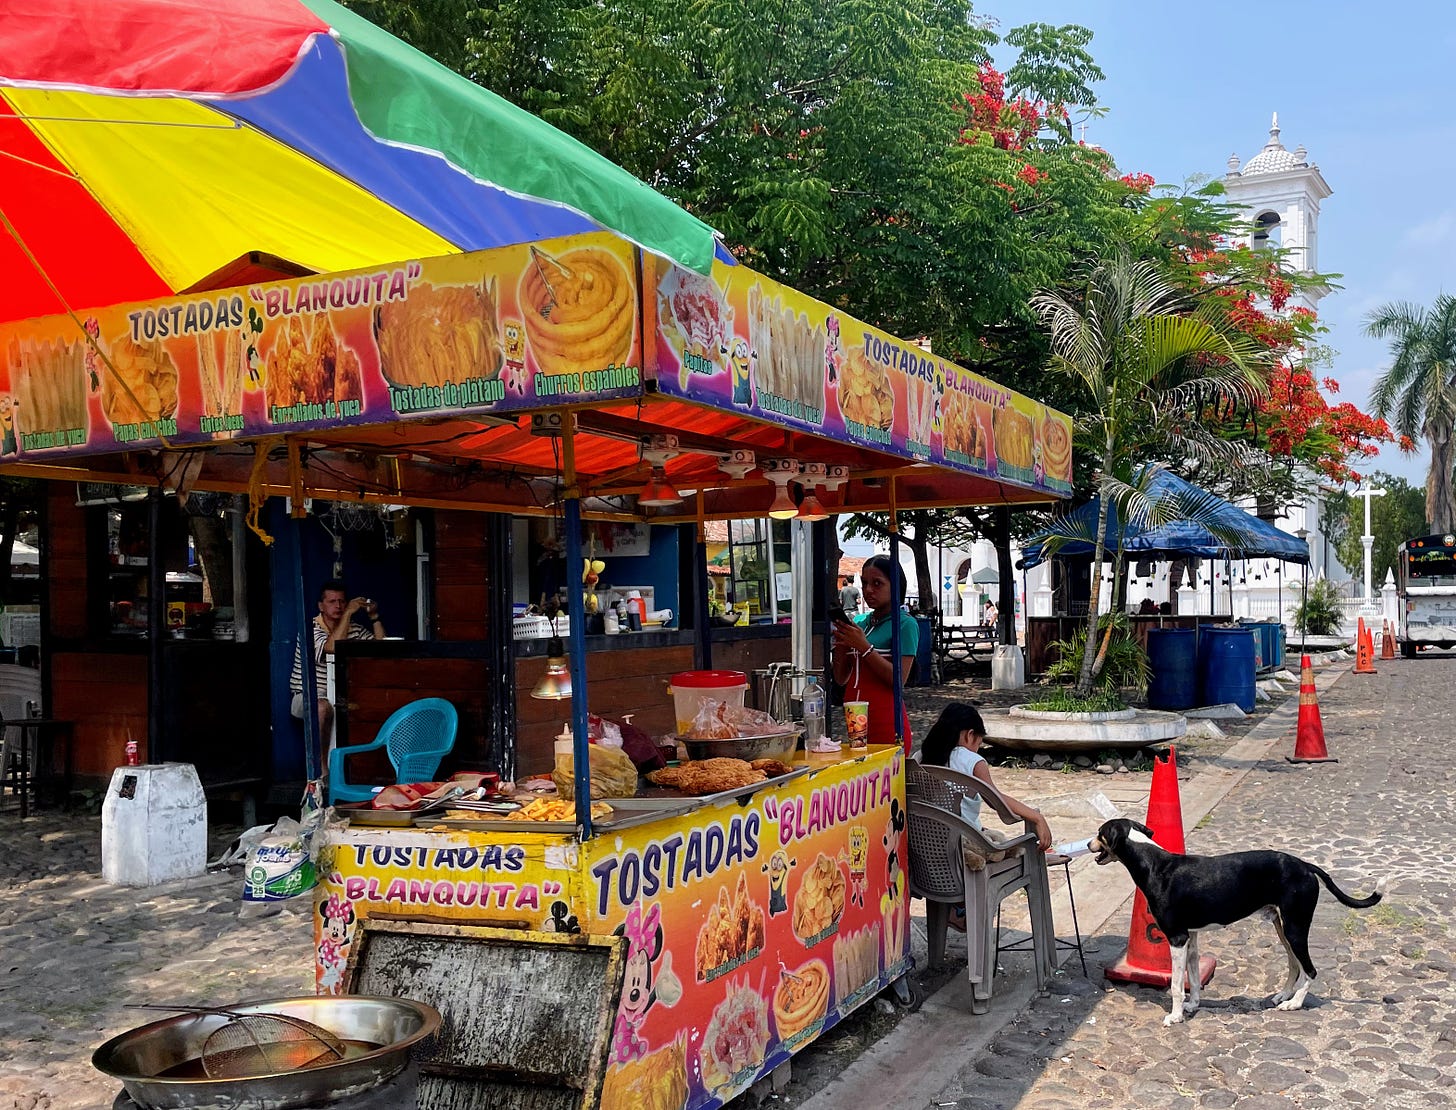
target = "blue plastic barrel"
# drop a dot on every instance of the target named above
(1226, 661)
(1261, 643)
(1173, 660)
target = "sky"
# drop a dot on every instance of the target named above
(1367, 90)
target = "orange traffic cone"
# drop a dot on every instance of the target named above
(1364, 650)
(1309, 735)
(1148, 959)
(1387, 641)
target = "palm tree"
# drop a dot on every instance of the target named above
(1149, 361)
(1418, 392)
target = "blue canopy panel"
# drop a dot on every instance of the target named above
(1250, 537)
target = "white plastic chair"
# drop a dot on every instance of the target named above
(951, 861)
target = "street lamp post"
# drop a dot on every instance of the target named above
(1302, 535)
(1367, 541)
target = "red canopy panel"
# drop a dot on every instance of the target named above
(92, 262)
(221, 48)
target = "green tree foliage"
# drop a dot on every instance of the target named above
(1398, 516)
(1418, 391)
(1144, 361)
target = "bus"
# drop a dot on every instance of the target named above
(1426, 589)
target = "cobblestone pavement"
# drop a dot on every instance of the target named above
(1380, 1026)
(75, 950)
(1380, 1030)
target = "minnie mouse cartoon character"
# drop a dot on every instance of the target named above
(641, 985)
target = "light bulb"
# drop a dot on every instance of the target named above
(783, 507)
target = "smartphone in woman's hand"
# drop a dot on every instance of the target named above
(838, 615)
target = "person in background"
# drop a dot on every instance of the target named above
(1148, 606)
(849, 595)
(955, 741)
(990, 615)
(861, 658)
(335, 622)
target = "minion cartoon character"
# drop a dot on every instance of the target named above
(858, 858)
(742, 359)
(778, 866)
(7, 425)
(513, 346)
(833, 349)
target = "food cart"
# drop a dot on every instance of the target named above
(552, 378)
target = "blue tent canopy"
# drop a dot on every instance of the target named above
(1248, 536)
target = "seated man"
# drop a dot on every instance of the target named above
(333, 623)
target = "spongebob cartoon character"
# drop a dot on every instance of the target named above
(7, 425)
(858, 858)
(778, 866)
(513, 345)
(833, 348)
(743, 359)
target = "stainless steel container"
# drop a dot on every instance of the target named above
(775, 688)
(140, 1057)
(776, 746)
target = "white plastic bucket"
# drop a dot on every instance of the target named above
(691, 688)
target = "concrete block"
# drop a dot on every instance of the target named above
(153, 825)
(1008, 667)
(1228, 711)
(1206, 729)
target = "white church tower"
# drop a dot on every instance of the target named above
(1280, 192)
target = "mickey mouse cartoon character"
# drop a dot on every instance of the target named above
(833, 349)
(562, 920)
(894, 873)
(641, 987)
(336, 920)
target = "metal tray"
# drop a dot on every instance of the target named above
(368, 818)
(739, 793)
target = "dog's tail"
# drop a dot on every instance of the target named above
(1356, 903)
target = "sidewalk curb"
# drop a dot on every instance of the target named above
(927, 1050)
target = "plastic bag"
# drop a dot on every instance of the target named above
(281, 870)
(613, 774)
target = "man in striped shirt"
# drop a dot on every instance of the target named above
(335, 622)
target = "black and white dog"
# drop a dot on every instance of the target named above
(1188, 893)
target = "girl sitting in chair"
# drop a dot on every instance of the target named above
(954, 741)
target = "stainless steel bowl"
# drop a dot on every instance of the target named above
(139, 1056)
(777, 745)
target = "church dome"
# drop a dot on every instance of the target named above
(1274, 158)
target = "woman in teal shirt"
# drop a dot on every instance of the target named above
(862, 663)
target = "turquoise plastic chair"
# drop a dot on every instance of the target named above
(416, 737)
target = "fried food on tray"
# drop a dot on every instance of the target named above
(708, 776)
(140, 383)
(306, 365)
(442, 333)
(773, 768)
(732, 932)
(820, 900)
(556, 809)
(657, 1081)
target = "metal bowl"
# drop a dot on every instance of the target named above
(139, 1056)
(776, 745)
